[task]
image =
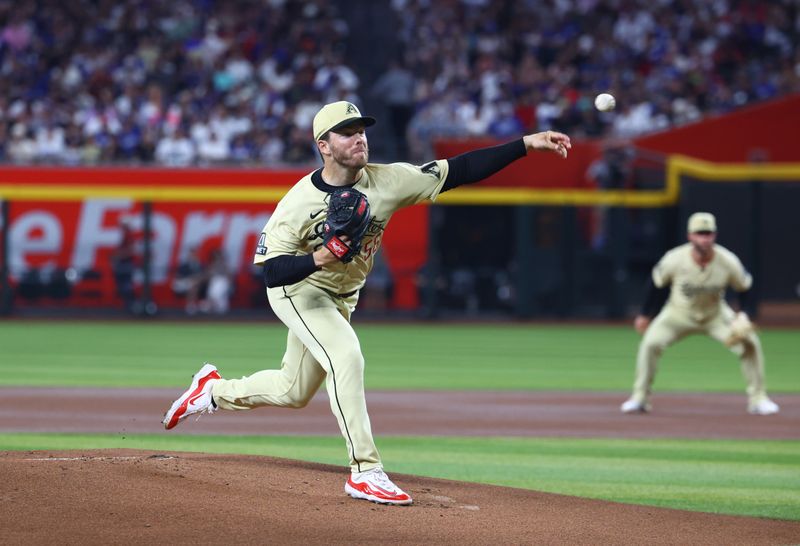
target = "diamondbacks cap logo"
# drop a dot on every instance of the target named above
(351, 109)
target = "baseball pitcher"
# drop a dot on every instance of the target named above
(316, 251)
(692, 279)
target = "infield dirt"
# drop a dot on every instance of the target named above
(127, 497)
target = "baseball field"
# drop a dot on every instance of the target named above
(456, 409)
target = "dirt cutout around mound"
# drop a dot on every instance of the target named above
(130, 496)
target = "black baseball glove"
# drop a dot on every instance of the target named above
(348, 215)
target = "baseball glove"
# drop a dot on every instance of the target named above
(741, 328)
(348, 215)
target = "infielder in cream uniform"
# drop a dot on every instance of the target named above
(698, 273)
(314, 293)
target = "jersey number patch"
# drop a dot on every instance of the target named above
(261, 249)
(431, 168)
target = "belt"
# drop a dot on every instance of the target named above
(343, 296)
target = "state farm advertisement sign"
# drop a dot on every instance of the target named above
(82, 236)
(58, 221)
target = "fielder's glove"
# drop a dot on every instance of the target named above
(348, 215)
(741, 328)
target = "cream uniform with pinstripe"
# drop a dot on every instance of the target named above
(322, 345)
(696, 305)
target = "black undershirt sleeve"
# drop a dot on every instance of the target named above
(474, 166)
(654, 299)
(747, 302)
(287, 269)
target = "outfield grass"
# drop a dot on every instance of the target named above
(753, 478)
(399, 356)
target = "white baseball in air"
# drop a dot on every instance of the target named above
(605, 102)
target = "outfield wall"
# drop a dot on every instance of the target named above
(515, 250)
(71, 219)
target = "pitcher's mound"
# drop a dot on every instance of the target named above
(143, 497)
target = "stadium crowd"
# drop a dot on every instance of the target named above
(178, 83)
(203, 82)
(504, 68)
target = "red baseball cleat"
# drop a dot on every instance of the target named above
(197, 399)
(374, 485)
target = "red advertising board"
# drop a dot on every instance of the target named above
(81, 235)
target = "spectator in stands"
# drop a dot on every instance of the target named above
(124, 262)
(190, 280)
(297, 147)
(396, 88)
(611, 171)
(176, 150)
(242, 149)
(220, 285)
(208, 286)
(128, 141)
(22, 148)
(270, 147)
(50, 144)
(334, 78)
(665, 62)
(213, 149)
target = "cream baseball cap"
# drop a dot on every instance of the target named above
(702, 221)
(336, 115)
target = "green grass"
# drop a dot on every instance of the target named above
(399, 356)
(757, 478)
(753, 478)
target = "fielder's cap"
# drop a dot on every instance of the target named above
(702, 221)
(337, 115)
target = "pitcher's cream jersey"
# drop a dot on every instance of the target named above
(295, 227)
(698, 291)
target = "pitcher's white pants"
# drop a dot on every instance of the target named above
(321, 345)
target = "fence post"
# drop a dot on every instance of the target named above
(569, 249)
(619, 244)
(433, 266)
(755, 244)
(149, 307)
(525, 306)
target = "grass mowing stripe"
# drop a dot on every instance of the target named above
(399, 356)
(755, 478)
